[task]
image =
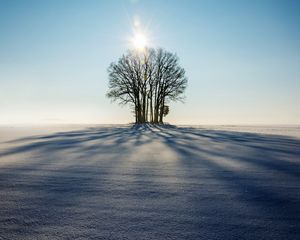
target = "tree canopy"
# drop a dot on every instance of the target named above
(147, 80)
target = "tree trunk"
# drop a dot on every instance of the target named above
(139, 111)
(147, 108)
(151, 109)
(136, 113)
(156, 113)
(161, 114)
(144, 107)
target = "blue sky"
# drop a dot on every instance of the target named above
(242, 59)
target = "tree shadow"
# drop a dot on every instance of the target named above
(119, 182)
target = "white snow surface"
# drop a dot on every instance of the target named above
(149, 182)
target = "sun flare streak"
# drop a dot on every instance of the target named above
(140, 38)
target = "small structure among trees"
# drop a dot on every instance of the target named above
(147, 80)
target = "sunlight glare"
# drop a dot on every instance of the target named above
(139, 41)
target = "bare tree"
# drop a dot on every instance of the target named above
(147, 80)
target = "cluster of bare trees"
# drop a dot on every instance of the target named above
(147, 80)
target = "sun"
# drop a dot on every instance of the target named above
(140, 38)
(139, 41)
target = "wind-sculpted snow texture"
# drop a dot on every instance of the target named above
(150, 182)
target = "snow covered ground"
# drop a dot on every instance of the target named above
(147, 182)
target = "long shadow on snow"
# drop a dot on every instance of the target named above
(62, 190)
